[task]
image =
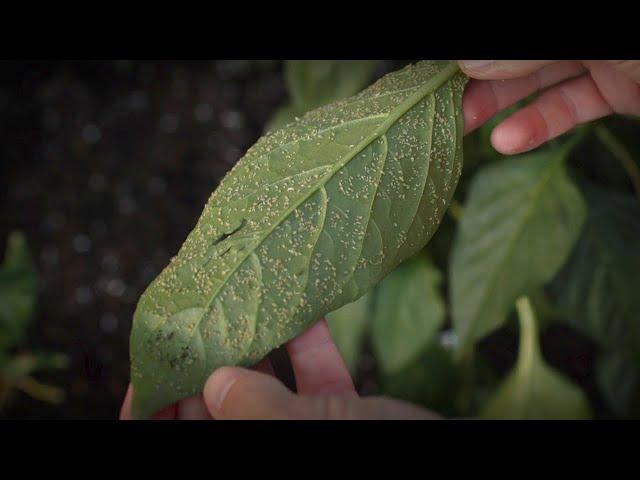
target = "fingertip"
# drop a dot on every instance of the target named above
(512, 137)
(501, 69)
(480, 69)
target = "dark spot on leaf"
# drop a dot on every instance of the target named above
(224, 236)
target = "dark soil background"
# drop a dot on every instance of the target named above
(106, 167)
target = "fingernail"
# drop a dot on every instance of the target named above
(219, 384)
(478, 65)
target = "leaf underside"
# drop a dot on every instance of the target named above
(311, 218)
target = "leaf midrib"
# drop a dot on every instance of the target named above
(428, 88)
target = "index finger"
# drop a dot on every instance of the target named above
(317, 364)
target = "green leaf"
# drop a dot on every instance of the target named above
(25, 364)
(521, 218)
(599, 286)
(618, 378)
(348, 326)
(18, 291)
(310, 219)
(430, 380)
(533, 390)
(314, 83)
(408, 313)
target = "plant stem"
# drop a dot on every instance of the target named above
(529, 349)
(623, 156)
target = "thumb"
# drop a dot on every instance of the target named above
(501, 69)
(241, 394)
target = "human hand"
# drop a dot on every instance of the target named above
(324, 390)
(575, 92)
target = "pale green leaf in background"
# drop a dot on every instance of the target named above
(310, 219)
(521, 218)
(283, 115)
(533, 390)
(348, 326)
(408, 313)
(314, 83)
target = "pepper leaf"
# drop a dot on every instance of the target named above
(408, 313)
(521, 219)
(598, 288)
(311, 218)
(348, 326)
(533, 390)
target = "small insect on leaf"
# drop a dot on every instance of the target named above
(311, 218)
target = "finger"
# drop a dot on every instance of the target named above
(265, 367)
(630, 67)
(193, 408)
(125, 410)
(553, 113)
(317, 364)
(617, 86)
(167, 413)
(484, 98)
(501, 69)
(370, 408)
(241, 394)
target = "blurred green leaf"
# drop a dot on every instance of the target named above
(408, 312)
(533, 390)
(430, 380)
(521, 218)
(618, 377)
(25, 364)
(18, 291)
(313, 83)
(599, 286)
(348, 326)
(282, 116)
